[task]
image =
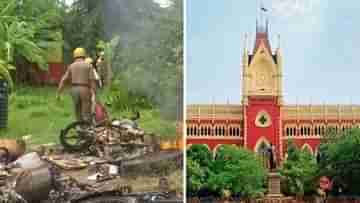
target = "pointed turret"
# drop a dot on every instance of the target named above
(262, 36)
(262, 68)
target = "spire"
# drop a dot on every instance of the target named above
(262, 29)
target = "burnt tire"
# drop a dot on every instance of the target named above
(70, 132)
(108, 199)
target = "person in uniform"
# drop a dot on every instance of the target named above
(90, 61)
(83, 85)
(101, 68)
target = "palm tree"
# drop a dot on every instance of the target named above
(27, 30)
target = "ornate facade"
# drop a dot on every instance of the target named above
(262, 118)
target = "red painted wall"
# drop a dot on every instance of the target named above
(271, 133)
(53, 75)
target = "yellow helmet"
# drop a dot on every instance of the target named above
(89, 60)
(79, 52)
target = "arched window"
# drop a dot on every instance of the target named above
(287, 131)
(209, 130)
(195, 130)
(306, 147)
(223, 131)
(237, 131)
(231, 131)
(308, 131)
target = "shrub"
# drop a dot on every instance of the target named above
(299, 172)
(340, 160)
(198, 166)
(237, 170)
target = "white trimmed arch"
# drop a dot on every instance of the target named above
(261, 141)
(216, 149)
(307, 146)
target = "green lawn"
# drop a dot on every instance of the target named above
(36, 112)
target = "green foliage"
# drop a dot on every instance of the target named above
(195, 176)
(148, 53)
(27, 30)
(237, 170)
(83, 18)
(200, 154)
(299, 171)
(340, 159)
(108, 48)
(198, 163)
(120, 97)
(5, 74)
(40, 114)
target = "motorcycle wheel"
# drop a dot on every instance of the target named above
(74, 137)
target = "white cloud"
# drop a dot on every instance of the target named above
(164, 3)
(288, 8)
(300, 12)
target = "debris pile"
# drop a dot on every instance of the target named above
(91, 169)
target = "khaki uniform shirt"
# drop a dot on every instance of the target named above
(80, 72)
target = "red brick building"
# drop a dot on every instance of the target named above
(262, 117)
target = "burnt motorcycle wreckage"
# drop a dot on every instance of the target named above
(113, 140)
(31, 179)
(93, 165)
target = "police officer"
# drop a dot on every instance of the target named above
(83, 85)
(90, 61)
(101, 66)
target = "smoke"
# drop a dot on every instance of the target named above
(138, 56)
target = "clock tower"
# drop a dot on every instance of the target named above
(262, 93)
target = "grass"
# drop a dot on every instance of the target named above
(36, 112)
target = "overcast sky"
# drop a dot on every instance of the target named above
(320, 41)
